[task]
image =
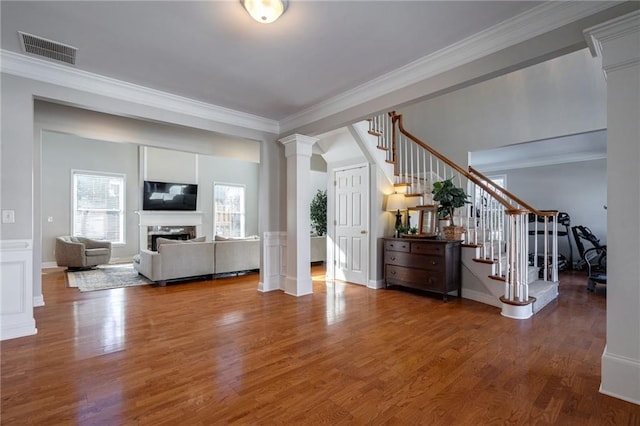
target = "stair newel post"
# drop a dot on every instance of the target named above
(546, 248)
(500, 218)
(524, 246)
(511, 267)
(554, 248)
(535, 242)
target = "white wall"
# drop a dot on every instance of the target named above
(226, 170)
(563, 96)
(579, 189)
(62, 153)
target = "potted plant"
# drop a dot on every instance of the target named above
(449, 197)
(318, 210)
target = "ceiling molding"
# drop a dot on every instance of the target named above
(73, 78)
(534, 22)
(539, 162)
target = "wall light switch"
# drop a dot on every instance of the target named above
(8, 216)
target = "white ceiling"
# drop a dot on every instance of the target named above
(212, 51)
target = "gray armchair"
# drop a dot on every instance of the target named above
(80, 252)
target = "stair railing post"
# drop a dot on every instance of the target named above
(554, 249)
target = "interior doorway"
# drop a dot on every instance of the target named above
(351, 224)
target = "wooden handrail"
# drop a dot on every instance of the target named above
(513, 197)
(398, 117)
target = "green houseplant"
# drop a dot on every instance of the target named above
(449, 198)
(318, 210)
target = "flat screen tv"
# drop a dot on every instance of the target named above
(169, 196)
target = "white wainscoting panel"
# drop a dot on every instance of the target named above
(16, 289)
(274, 268)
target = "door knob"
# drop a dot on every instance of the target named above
(363, 232)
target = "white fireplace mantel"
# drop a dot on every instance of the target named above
(170, 218)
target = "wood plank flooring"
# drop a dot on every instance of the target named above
(219, 352)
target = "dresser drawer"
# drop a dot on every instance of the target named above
(426, 248)
(430, 263)
(415, 278)
(397, 246)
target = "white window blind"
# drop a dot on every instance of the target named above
(98, 206)
(229, 217)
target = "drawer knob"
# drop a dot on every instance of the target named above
(433, 262)
(393, 258)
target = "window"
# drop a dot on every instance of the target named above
(228, 206)
(98, 206)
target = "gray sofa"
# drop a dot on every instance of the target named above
(178, 259)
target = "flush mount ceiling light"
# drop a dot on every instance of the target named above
(265, 11)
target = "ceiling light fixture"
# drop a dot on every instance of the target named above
(265, 11)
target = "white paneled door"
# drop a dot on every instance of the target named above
(352, 225)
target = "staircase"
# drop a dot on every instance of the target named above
(502, 265)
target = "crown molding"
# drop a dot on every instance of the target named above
(540, 162)
(534, 22)
(607, 33)
(73, 78)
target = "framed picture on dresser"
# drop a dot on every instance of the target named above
(428, 218)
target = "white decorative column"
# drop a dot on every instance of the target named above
(617, 42)
(297, 150)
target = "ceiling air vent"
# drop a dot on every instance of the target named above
(47, 48)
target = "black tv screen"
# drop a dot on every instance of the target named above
(169, 196)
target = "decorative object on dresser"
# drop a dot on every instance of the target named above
(427, 227)
(396, 203)
(424, 264)
(449, 197)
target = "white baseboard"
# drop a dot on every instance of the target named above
(477, 296)
(267, 286)
(620, 377)
(376, 284)
(9, 332)
(47, 265)
(38, 301)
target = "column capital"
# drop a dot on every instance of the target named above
(616, 41)
(297, 144)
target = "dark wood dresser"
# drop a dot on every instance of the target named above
(425, 264)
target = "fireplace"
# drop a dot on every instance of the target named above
(174, 225)
(169, 232)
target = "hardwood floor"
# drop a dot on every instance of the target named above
(219, 352)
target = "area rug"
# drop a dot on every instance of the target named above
(105, 277)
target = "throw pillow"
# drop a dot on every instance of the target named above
(221, 238)
(161, 241)
(197, 240)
